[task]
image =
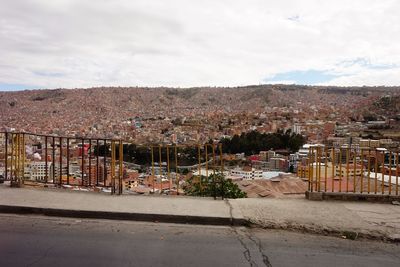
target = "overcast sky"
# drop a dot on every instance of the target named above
(86, 43)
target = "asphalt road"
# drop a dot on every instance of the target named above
(49, 241)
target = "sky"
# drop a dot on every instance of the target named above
(186, 43)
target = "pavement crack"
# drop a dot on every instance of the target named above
(230, 210)
(246, 252)
(44, 255)
(257, 242)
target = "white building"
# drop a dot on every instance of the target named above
(36, 170)
(247, 173)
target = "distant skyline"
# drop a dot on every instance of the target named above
(186, 43)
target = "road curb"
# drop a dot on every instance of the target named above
(147, 217)
(344, 233)
(349, 196)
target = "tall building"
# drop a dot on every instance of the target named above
(36, 171)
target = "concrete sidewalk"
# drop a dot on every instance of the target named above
(60, 202)
(349, 219)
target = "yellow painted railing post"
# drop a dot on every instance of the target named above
(18, 160)
(152, 168)
(383, 172)
(214, 180)
(319, 152)
(347, 168)
(308, 162)
(326, 168)
(199, 167)
(316, 168)
(12, 158)
(23, 159)
(340, 169)
(222, 171)
(369, 170)
(176, 170)
(314, 162)
(315, 159)
(160, 164)
(15, 148)
(310, 171)
(390, 172)
(355, 172)
(314, 173)
(397, 174)
(169, 170)
(333, 169)
(121, 166)
(362, 171)
(376, 172)
(206, 152)
(213, 153)
(221, 158)
(6, 156)
(112, 166)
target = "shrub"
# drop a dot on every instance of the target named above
(213, 186)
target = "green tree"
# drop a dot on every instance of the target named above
(215, 185)
(253, 142)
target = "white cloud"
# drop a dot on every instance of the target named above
(384, 77)
(77, 43)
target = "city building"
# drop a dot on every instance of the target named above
(246, 173)
(36, 170)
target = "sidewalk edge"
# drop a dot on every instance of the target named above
(109, 215)
(344, 233)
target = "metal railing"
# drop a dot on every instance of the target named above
(102, 164)
(351, 170)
